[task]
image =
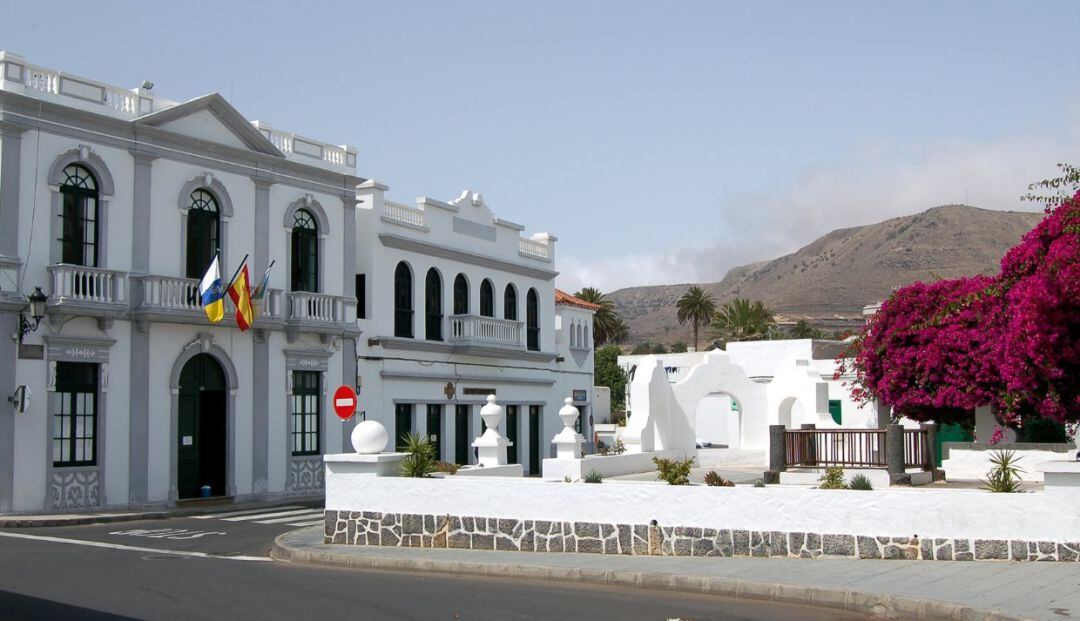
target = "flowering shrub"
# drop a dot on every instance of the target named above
(937, 351)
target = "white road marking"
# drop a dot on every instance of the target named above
(245, 518)
(312, 523)
(117, 546)
(292, 518)
(215, 516)
(166, 533)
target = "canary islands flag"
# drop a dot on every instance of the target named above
(240, 292)
(211, 294)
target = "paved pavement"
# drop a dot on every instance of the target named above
(216, 567)
(905, 589)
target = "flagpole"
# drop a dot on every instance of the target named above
(237, 273)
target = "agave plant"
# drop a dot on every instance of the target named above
(1004, 475)
(420, 461)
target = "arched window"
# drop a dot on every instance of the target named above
(203, 226)
(78, 217)
(433, 305)
(588, 342)
(532, 320)
(510, 303)
(305, 252)
(487, 299)
(461, 295)
(403, 306)
(573, 335)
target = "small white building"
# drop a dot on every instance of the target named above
(737, 411)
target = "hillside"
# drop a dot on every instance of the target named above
(832, 278)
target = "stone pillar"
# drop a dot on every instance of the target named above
(777, 453)
(348, 289)
(10, 164)
(931, 450)
(139, 393)
(491, 446)
(894, 455)
(260, 354)
(568, 442)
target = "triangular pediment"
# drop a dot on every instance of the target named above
(213, 119)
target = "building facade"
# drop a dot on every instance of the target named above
(115, 201)
(457, 305)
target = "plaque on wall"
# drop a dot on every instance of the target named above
(482, 392)
(580, 396)
(32, 352)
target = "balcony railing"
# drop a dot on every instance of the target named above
(94, 285)
(398, 213)
(297, 147)
(320, 308)
(170, 293)
(534, 249)
(476, 330)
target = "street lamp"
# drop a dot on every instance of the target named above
(37, 301)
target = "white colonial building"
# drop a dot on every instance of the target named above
(114, 201)
(456, 305)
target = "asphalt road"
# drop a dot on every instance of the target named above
(217, 568)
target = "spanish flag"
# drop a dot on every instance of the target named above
(240, 292)
(211, 294)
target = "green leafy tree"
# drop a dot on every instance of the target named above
(678, 347)
(607, 372)
(1063, 187)
(608, 327)
(696, 307)
(642, 349)
(659, 349)
(744, 320)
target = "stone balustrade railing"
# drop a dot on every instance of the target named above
(477, 330)
(18, 75)
(296, 147)
(75, 283)
(534, 249)
(319, 307)
(399, 213)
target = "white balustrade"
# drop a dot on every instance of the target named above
(171, 293)
(485, 331)
(43, 80)
(305, 149)
(75, 283)
(304, 306)
(403, 214)
(534, 249)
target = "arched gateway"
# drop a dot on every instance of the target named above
(202, 430)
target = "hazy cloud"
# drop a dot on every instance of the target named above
(876, 182)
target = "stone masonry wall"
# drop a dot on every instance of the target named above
(483, 533)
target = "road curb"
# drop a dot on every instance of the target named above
(79, 520)
(874, 604)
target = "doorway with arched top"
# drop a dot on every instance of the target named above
(202, 431)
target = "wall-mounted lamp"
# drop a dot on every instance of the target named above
(37, 301)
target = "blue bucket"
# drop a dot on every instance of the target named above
(205, 491)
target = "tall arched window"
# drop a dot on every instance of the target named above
(78, 217)
(487, 299)
(305, 252)
(532, 320)
(403, 296)
(510, 303)
(203, 224)
(461, 295)
(433, 305)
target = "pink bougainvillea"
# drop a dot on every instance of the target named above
(937, 351)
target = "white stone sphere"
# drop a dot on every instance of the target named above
(369, 437)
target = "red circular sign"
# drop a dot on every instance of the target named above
(345, 402)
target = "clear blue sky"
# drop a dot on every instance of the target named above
(662, 142)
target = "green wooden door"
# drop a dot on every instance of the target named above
(187, 450)
(434, 428)
(950, 432)
(512, 434)
(201, 438)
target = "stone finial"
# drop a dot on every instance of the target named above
(491, 446)
(568, 441)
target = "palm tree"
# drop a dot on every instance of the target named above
(803, 330)
(743, 320)
(608, 327)
(696, 307)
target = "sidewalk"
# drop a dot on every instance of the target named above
(894, 589)
(16, 520)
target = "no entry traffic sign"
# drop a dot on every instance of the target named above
(345, 402)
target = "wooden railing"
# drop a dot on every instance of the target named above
(916, 450)
(847, 448)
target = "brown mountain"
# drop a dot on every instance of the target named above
(830, 280)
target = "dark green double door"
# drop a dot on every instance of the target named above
(202, 434)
